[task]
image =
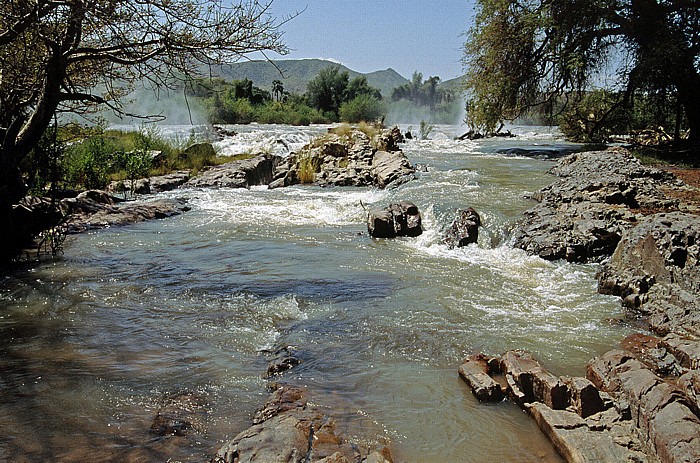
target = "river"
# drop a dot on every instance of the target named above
(94, 341)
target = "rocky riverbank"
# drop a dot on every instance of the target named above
(640, 402)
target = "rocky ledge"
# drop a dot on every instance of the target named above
(348, 160)
(287, 429)
(95, 209)
(628, 408)
(599, 195)
(643, 400)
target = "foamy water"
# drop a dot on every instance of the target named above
(194, 303)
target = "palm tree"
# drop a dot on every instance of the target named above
(277, 89)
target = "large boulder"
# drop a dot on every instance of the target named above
(397, 219)
(464, 229)
(350, 159)
(238, 174)
(599, 195)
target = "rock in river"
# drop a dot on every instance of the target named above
(397, 219)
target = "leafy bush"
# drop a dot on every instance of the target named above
(597, 116)
(361, 108)
(87, 164)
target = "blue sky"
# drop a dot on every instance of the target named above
(368, 36)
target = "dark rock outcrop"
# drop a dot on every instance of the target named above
(464, 230)
(98, 209)
(238, 174)
(599, 196)
(288, 430)
(656, 271)
(348, 160)
(397, 219)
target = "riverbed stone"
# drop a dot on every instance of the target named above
(530, 382)
(475, 371)
(288, 429)
(244, 173)
(585, 397)
(179, 414)
(464, 229)
(397, 219)
(576, 442)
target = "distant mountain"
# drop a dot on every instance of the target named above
(295, 74)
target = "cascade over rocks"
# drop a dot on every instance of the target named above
(397, 219)
(348, 160)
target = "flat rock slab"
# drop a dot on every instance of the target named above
(475, 372)
(238, 174)
(578, 443)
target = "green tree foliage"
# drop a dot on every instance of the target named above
(362, 108)
(72, 55)
(331, 88)
(326, 91)
(422, 93)
(538, 53)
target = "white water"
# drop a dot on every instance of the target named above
(192, 303)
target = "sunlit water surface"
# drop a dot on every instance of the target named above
(95, 341)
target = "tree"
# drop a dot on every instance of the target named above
(71, 55)
(331, 88)
(421, 93)
(525, 54)
(278, 89)
(359, 87)
(362, 108)
(326, 91)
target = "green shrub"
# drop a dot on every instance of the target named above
(87, 164)
(363, 107)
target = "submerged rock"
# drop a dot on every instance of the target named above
(397, 219)
(287, 429)
(179, 414)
